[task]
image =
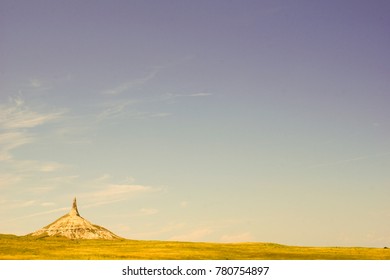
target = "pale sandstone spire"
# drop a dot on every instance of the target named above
(73, 226)
(74, 211)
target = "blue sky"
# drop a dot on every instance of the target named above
(198, 120)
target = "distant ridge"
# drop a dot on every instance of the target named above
(73, 226)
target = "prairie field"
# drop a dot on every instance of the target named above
(54, 248)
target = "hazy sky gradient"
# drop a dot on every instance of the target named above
(198, 120)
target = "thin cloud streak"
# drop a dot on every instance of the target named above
(10, 141)
(121, 110)
(92, 205)
(8, 180)
(121, 189)
(350, 160)
(198, 94)
(106, 192)
(38, 85)
(122, 88)
(15, 118)
(18, 116)
(114, 110)
(24, 166)
(39, 214)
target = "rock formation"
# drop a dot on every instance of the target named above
(73, 226)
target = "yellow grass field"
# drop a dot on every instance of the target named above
(29, 248)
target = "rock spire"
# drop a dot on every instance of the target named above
(73, 226)
(74, 211)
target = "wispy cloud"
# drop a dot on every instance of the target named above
(103, 178)
(199, 94)
(349, 160)
(148, 211)
(76, 130)
(42, 190)
(27, 203)
(17, 204)
(122, 109)
(47, 204)
(69, 179)
(16, 115)
(146, 115)
(125, 108)
(176, 95)
(37, 85)
(10, 141)
(36, 166)
(183, 204)
(15, 120)
(126, 86)
(51, 166)
(62, 209)
(106, 192)
(103, 202)
(159, 115)
(122, 189)
(8, 180)
(114, 109)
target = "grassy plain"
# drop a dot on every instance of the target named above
(29, 248)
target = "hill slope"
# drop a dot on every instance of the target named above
(73, 226)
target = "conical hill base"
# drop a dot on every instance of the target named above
(73, 226)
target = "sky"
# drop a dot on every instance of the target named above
(217, 121)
